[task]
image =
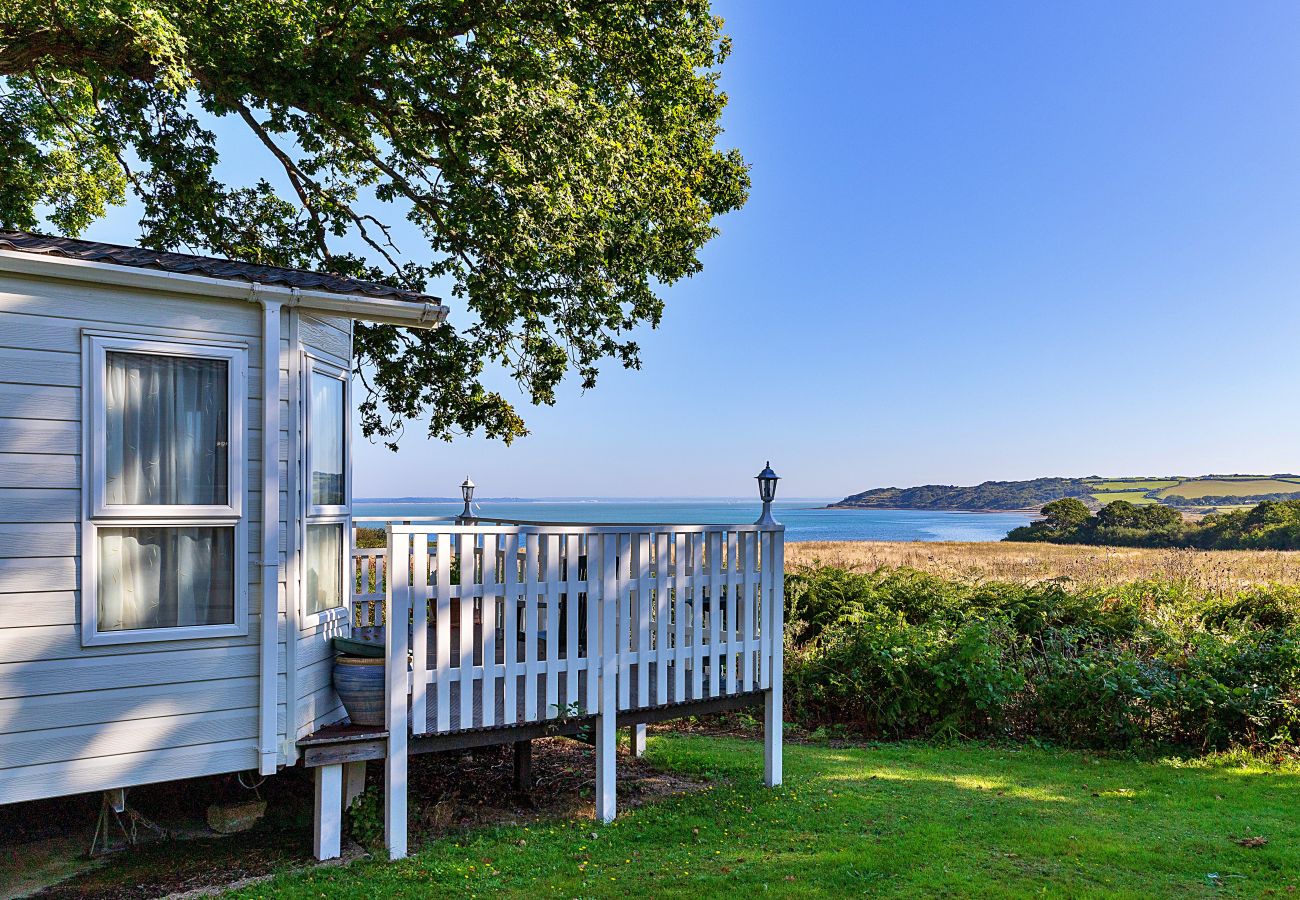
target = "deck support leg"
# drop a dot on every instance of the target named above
(523, 766)
(606, 769)
(327, 835)
(772, 726)
(395, 800)
(638, 739)
(354, 781)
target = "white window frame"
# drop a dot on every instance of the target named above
(316, 364)
(96, 513)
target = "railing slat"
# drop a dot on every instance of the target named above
(442, 632)
(715, 613)
(748, 558)
(595, 591)
(531, 587)
(488, 628)
(465, 559)
(572, 605)
(510, 628)
(627, 551)
(680, 613)
(732, 611)
(662, 563)
(697, 616)
(419, 632)
(642, 620)
(552, 626)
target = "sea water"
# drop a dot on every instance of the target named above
(804, 519)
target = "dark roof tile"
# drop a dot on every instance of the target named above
(209, 266)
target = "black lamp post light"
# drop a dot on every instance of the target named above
(767, 480)
(467, 492)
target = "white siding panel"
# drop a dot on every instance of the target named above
(18, 541)
(99, 739)
(315, 710)
(40, 367)
(39, 505)
(166, 670)
(22, 714)
(39, 470)
(99, 773)
(127, 309)
(331, 335)
(41, 573)
(52, 608)
(36, 401)
(34, 644)
(36, 436)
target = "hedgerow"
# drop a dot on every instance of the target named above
(903, 654)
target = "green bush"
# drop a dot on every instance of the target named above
(900, 653)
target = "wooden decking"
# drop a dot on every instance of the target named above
(351, 743)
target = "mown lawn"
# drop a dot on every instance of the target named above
(895, 820)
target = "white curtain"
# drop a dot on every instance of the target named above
(324, 567)
(161, 577)
(167, 434)
(326, 441)
(167, 430)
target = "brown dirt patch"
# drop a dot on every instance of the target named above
(450, 792)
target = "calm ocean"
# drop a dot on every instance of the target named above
(802, 519)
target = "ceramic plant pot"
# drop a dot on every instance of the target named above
(360, 685)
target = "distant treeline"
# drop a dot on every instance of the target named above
(1271, 525)
(989, 495)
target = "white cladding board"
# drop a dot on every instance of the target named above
(76, 719)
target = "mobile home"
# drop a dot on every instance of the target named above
(176, 554)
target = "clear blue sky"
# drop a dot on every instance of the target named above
(993, 240)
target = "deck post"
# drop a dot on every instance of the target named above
(638, 739)
(397, 689)
(773, 700)
(327, 834)
(607, 717)
(523, 766)
(354, 781)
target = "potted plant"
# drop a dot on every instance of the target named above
(359, 680)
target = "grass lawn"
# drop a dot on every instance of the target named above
(1136, 484)
(895, 820)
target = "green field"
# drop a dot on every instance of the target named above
(899, 820)
(1135, 497)
(1134, 485)
(1231, 487)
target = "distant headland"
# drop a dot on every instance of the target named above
(1200, 492)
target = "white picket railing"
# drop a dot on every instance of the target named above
(518, 623)
(515, 623)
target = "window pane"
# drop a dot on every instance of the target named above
(326, 441)
(324, 567)
(167, 430)
(161, 577)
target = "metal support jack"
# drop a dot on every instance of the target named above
(114, 810)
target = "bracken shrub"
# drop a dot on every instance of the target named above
(901, 653)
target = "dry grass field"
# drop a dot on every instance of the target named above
(1212, 570)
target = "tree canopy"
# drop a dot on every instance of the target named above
(558, 161)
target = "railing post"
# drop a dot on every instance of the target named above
(774, 609)
(607, 715)
(396, 648)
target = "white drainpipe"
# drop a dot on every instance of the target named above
(268, 730)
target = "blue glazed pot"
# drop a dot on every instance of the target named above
(360, 685)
